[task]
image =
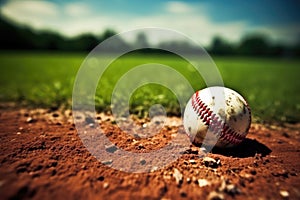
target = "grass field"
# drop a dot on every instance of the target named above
(270, 85)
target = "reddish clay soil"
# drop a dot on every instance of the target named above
(42, 157)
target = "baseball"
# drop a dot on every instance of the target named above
(217, 116)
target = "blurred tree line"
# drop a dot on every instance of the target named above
(15, 37)
(253, 45)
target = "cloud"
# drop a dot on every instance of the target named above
(74, 18)
(69, 19)
(33, 12)
(77, 9)
(37, 14)
(77, 17)
(178, 7)
(41, 8)
(193, 24)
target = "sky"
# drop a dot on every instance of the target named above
(201, 20)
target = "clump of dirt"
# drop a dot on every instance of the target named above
(42, 157)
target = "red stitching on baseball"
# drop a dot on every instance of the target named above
(214, 123)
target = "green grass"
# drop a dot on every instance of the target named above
(271, 86)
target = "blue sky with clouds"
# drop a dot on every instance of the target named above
(199, 19)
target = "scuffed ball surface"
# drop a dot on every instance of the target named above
(217, 116)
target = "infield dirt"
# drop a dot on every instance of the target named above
(42, 157)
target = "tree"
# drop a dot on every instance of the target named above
(220, 47)
(296, 47)
(107, 34)
(84, 42)
(254, 45)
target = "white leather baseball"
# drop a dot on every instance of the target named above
(217, 116)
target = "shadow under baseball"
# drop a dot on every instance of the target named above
(248, 148)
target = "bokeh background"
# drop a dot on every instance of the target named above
(257, 27)
(255, 44)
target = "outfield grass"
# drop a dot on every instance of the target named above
(271, 86)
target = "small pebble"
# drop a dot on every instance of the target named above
(153, 169)
(188, 180)
(91, 125)
(105, 185)
(284, 193)
(192, 150)
(89, 120)
(215, 196)
(111, 148)
(208, 159)
(203, 149)
(178, 176)
(142, 161)
(210, 162)
(232, 189)
(202, 182)
(29, 120)
(157, 122)
(18, 133)
(107, 162)
(192, 161)
(248, 177)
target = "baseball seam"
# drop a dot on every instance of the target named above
(214, 123)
